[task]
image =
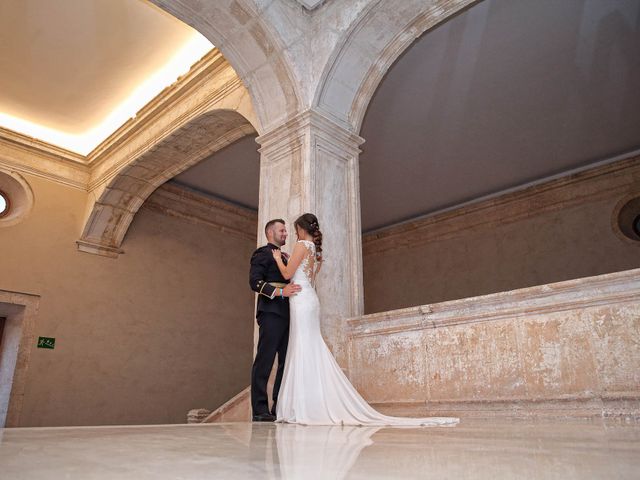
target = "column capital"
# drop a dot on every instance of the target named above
(310, 122)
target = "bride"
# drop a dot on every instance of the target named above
(314, 389)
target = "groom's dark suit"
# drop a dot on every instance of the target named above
(273, 321)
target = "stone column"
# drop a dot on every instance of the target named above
(310, 164)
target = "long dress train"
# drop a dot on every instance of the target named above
(314, 389)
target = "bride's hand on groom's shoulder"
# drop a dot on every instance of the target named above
(277, 254)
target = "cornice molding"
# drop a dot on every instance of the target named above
(102, 171)
(43, 148)
(98, 249)
(182, 202)
(49, 162)
(35, 157)
(169, 97)
(313, 122)
(545, 196)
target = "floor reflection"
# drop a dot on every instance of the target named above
(477, 449)
(319, 452)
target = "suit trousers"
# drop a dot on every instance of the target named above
(273, 338)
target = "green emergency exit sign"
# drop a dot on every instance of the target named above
(46, 342)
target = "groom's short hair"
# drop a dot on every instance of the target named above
(271, 223)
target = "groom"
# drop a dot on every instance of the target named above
(273, 319)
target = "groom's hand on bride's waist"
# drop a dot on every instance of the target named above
(291, 289)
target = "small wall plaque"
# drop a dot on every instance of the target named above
(46, 342)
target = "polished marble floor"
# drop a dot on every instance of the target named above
(475, 449)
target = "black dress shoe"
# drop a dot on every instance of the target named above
(264, 417)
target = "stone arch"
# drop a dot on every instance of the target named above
(252, 47)
(119, 201)
(369, 48)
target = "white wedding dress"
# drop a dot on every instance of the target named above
(314, 390)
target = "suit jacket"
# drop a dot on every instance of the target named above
(264, 269)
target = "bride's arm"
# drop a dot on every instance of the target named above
(290, 268)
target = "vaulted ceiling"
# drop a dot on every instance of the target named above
(505, 93)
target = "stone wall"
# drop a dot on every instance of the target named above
(558, 230)
(141, 339)
(566, 348)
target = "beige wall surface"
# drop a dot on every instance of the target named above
(141, 339)
(552, 232)
(565, 348)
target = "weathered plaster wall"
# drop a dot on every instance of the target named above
(555, 231)
(140, 339)
(566, 348)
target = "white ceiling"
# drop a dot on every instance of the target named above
(67, 66)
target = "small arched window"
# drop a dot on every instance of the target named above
(5, 204)
(16, 198)
(636, 226)
(627, 218)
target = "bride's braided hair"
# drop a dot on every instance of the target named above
(309, 223)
